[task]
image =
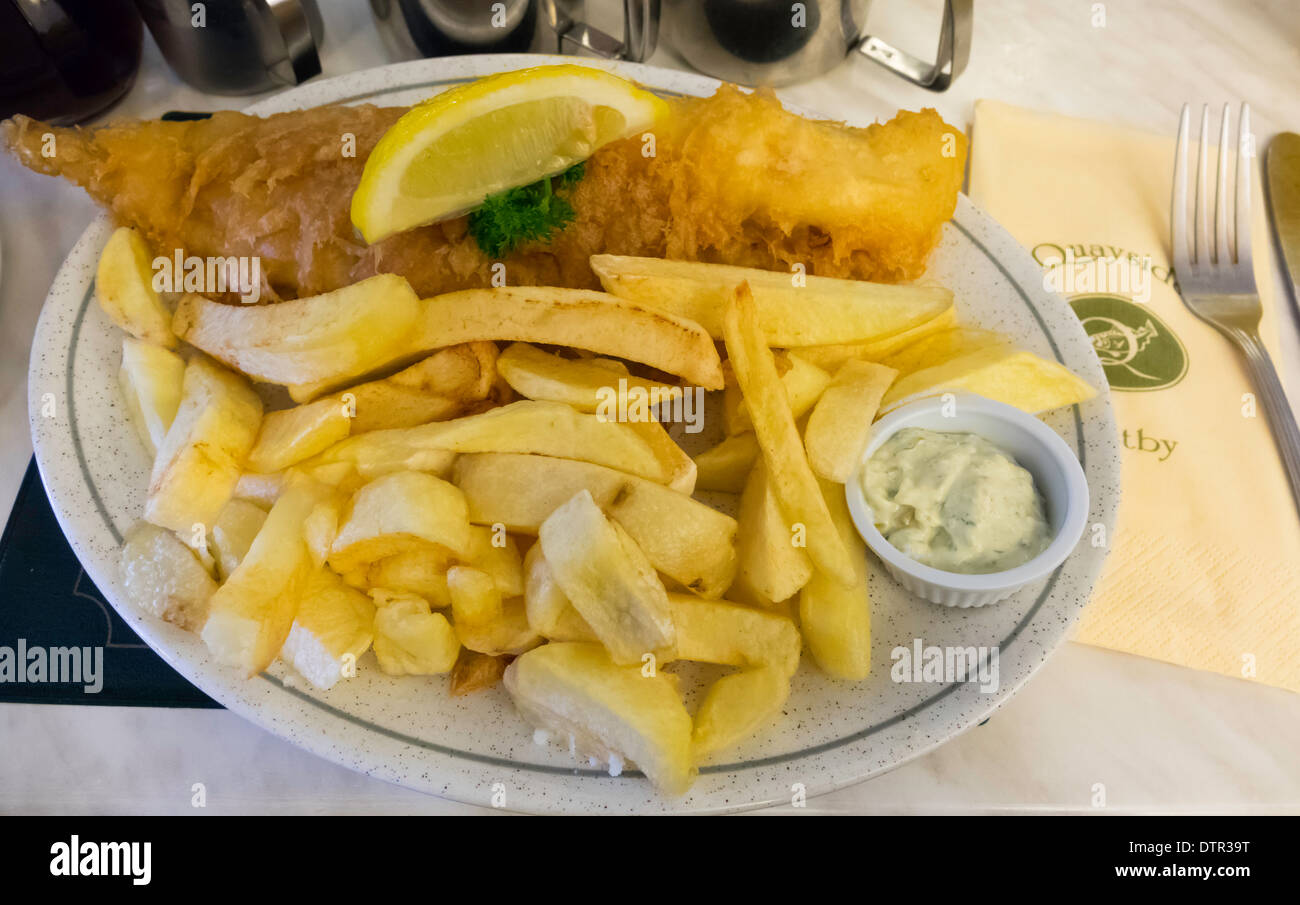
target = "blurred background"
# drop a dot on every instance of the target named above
(70, 61)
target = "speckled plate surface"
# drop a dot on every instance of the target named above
(476, 749)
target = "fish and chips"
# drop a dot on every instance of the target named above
(447, 489)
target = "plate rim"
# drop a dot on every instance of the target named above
(472, 67)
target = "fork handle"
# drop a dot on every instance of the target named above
(1280, 418)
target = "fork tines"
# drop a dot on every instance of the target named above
(1208, 251)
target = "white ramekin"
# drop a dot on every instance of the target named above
(1031, 443)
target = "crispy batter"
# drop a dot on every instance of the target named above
(735, 178)
(757, 186)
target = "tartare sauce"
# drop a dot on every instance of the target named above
(954, 501)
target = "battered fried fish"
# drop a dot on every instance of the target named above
(734, 178)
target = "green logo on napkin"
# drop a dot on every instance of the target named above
(1138, 351)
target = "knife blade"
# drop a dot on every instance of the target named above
(1283, 166)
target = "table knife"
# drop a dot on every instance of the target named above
(1283, 171)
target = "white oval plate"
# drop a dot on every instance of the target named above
(409, 731)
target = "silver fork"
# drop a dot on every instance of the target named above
(1216, 280)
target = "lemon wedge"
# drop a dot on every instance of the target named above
(449, 153)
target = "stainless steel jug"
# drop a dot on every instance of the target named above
(237, 46)
(753, 42)
(775, 42)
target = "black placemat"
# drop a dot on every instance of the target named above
(47, 602)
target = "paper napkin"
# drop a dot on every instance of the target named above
(1204, 567)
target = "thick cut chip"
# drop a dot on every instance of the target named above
(291, 435)
(338, 336)
(485, 621)
(449, 383)
(399, 513)
(1007, 375)
(262, 489)
(726, 467)
(731, 634)
(678, 468)
(793, 309)
(778, 437)
(708, 631)
(831, 357)
(251, 614)
(543, 428)
(549, 611)
(803, 384)
(496, 553)
(410, 639)
(609, 581)
(152, 379)
(333, 628)
(163, 577)
(370, 456)
(840, 423)
(683, 538)
(940, 346)
(419, 572)
(202, 455)
(596, 321)
(610, 713)
(233, 534)
(424, 571)
(322, 525)
(546, 428)
(737, 706)
(773, 562)
(584, 383)
(124, 289)
(836, 618)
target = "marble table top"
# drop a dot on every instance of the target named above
(1159, 738)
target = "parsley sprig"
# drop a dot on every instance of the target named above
(507, 220)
